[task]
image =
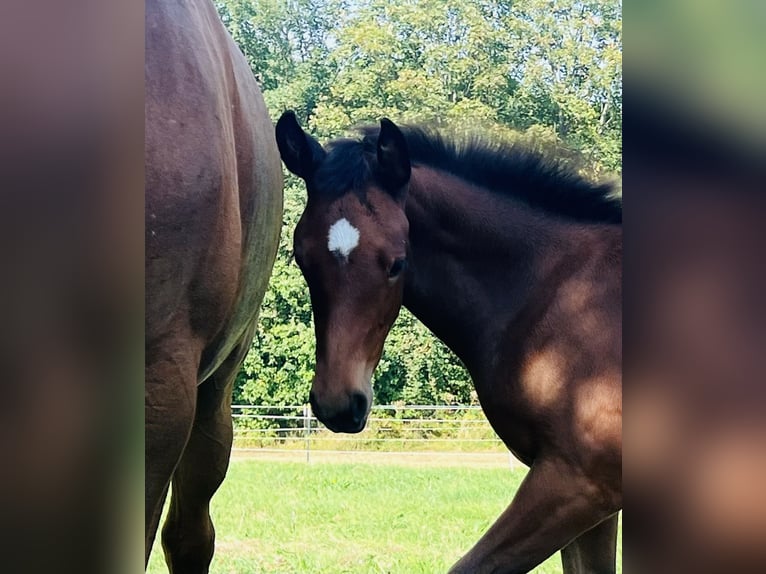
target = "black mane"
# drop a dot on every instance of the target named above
(502, 167)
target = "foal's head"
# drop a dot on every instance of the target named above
(351, 246)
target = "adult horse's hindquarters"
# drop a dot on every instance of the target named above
(213, 216)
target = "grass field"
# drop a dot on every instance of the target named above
(332, 518)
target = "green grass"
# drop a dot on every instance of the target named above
(328, 518)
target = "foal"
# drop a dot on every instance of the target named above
(515, 264)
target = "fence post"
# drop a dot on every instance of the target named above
(307, 429)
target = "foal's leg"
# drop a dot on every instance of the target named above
(552, 507)
(188, 536)
(594, 551)
(170, 396)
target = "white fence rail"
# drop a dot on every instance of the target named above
(394, 433)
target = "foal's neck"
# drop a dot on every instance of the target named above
(475, 258)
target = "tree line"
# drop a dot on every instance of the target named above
(546, 74)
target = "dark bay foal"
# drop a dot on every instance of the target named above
(515, 264)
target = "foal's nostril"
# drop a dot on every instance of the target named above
(358, 407)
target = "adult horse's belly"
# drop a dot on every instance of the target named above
(213, 186)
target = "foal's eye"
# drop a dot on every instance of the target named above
(397, 267)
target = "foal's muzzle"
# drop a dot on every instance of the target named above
(349, 419)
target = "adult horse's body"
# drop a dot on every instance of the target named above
(213, 216)
(516, 266)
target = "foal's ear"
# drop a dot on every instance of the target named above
(300, 152)
(393, 158)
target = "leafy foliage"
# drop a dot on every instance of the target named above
(546, 73)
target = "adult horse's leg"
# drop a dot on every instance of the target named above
(594, 551)
(170, 397)
(554, 505)
(188, 535)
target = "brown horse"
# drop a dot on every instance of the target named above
(213, 217)
(515, 264)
